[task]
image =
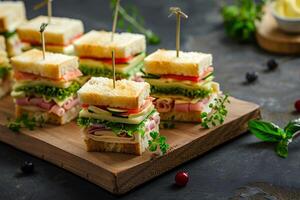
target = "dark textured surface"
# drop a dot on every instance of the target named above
(220, 172)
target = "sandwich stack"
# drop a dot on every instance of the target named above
(5, 70)
(117, 119)
(95, 47)
(47, 88)
(59, 36)
(183, 85)
(12, 15)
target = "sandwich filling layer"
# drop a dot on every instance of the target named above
(125, 67)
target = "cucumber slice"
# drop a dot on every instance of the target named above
(115, 110)
(94, 109)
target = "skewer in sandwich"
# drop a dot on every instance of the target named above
(46, 88)
(94, 50)
(183, 86)
(59, 36)
(117, 119)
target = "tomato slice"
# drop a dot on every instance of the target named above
(85, 106)
(109, 61)
(182, 78)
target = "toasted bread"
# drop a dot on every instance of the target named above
(12, 15)
(187, 64)
(49, 117)
(54, 66)
(97, 44)
(61, 31)
(127, 94)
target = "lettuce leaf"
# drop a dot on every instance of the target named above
(117, 128)
(197, 93)
(50, 91)
(105, 72)
(4, 71)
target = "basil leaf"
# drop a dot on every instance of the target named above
(266, 131)
(282, 148)
(292, 128)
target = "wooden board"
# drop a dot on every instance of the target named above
(119, 173)
(272, 39)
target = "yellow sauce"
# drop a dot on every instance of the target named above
(288, 8)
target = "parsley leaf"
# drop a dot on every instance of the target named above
(218, 114)
(24, 121)
(158, 141)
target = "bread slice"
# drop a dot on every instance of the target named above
(5, 86)
(61, 31)
(54, 66)
(181, 116)
(12, 15)
(187, 64)
(127, 94)
(97, 44)
(13, 45)
(49, 117)
(2, 43)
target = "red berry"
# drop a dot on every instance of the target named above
(297, 105)
(181, 178)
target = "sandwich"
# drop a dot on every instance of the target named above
(94, 50)
(46, 88)
(183, 85)
(117, 119)
(5, 69)
(59, 36)
(12, 15)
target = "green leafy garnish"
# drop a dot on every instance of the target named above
(219, 112)
(158, 141)
(131, 20)
(50, 91)
(239, 19)
(4, 71)
(269, 132)
(24, 121)
(192, 93)
(116, 127)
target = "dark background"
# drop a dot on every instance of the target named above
(217, 174)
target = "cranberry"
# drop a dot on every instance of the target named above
(297, 105)
(272, 64)
(181, 178)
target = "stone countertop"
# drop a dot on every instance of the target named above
(217, 174)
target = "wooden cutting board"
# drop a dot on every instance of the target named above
(119, 173)
(272, 39)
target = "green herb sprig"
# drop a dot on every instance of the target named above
(269, 132)
(131, 20)
(219, 112)
(239, 19)
(158, 141)
(24, 121)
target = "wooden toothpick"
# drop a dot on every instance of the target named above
(49, 8)
(177, 11)
(42, 30)
(114, 67)
(115, 20)
(49, 11)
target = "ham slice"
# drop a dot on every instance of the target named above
(71, 75)
(51, 107)
(164, 105)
